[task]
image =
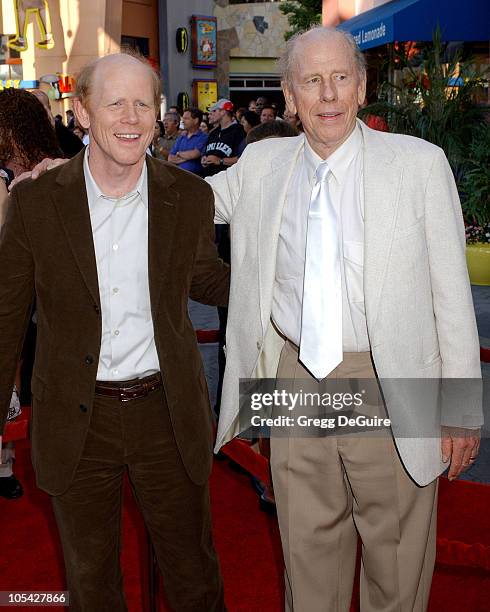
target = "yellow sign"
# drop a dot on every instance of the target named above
(10, 84)
(205, 93)
(40, 11)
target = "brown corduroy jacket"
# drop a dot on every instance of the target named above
(47, 252)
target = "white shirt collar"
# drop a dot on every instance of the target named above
(339, 160)
(94, 192)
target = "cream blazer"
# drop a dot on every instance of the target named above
(418, 301)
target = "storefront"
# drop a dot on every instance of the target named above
(465, 27)
(402, 20)
(44, 44)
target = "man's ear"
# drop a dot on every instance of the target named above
(361, 90)
(81, 113)
(288, 96)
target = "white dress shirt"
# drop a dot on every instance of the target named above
(120, 232)
(346, 186)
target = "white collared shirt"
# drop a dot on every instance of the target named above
(346, 186)
(120, 231)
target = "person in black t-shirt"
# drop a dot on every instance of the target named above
(223, 146)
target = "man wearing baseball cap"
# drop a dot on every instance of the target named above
(224, 141)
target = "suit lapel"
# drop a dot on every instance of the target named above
(70, 199)
(163, 202)
(273, 191)
(382, 183)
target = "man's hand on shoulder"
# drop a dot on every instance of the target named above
(460, 447)
(42, 167)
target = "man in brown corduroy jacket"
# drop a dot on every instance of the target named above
(111, 245)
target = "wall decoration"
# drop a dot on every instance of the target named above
(204, 93)
(183, 101)
(40, 11)
(60, 85)
(18, 84)
(182, 40)
(204, 53)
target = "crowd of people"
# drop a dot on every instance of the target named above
(101, 252)
(208, 142)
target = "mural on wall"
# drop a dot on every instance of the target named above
(260, 27)
(204, 53)
(39, 10)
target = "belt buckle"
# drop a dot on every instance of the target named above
(123, 393)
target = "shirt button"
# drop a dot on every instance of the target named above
(116, 333)
(258, 345)
(115, 247)
(83, 408)
(115, 290)
(89, 359)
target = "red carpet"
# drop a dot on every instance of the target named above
(248, 544)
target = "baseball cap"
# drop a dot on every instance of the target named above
(222, 104)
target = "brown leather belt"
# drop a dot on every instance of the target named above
(127, 390)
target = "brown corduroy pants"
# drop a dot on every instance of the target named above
(136, 437)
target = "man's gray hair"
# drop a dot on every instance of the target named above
(287, 61)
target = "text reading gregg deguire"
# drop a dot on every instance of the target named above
(296, 404)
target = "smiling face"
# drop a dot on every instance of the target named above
(119, 112)
(266, 115)
(326, 90)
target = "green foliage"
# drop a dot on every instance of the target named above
(475, 184)
(301, 14)
(422, 103)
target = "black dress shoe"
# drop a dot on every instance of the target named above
(267, 505)
(257, 484)
(10, 487)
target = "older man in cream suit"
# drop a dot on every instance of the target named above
(348, 262)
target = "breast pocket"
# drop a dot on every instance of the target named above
(403, 230)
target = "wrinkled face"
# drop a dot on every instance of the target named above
(326, 91)
(266, 115)
(119, 113)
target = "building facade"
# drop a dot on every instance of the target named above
(45, 46)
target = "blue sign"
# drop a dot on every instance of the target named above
(18, 84)
(374, 34)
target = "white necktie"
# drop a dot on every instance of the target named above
(321, 318)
